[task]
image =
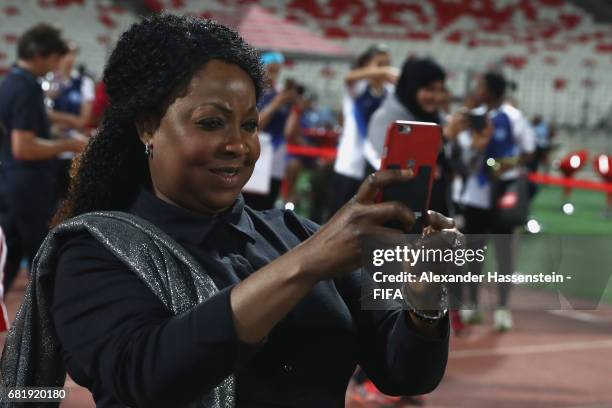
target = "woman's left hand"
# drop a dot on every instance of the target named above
(440, 233)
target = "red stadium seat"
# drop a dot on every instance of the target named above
(455, 37)
(559, 84)
(390, 13)
(418, 36)
(552, 3)
(569, 21)
(10, 38)
(107, 21)
(11, 11)
(604, 48)
(60, 3)
(155, 6)
(336, 32)
(515, 61)
(178, 4)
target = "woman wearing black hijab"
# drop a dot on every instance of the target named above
(417, 98)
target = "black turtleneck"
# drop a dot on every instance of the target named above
(120, 342)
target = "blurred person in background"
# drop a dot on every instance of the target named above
(421, 95)
(495, 157)
(366, 86)
(28, 195)
(327, 131)
(418, 95)
(544, 133)
(4, 321)
(99, 105)
(304, 117)
(445, 99)
(72, 94)
(274, 108)
(543, 136)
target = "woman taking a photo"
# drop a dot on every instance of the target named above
(182, 295)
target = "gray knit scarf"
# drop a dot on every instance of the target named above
(31, 356)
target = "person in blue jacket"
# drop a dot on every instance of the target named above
(28, 191)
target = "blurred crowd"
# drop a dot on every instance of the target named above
(481, 174)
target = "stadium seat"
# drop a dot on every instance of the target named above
(540, 44)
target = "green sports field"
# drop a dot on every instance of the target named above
(586, 225)
(588, 230)
(587, 217)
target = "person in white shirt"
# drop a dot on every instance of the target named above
(365, 88)
(72, 94)
(274, 106)
(509, 143)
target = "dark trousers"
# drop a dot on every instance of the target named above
(27, 204)
(320, 185)
(479, 225)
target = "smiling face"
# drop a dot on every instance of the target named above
(206, 144)
(429, 96)
(67, 62)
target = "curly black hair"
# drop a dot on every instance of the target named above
(151, 64)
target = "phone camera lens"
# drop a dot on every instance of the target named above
(405, 129)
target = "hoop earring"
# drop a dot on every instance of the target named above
(149, 150)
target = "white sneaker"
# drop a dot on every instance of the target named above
(502, 320)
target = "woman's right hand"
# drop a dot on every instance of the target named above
(390, 74)
(336, 248)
